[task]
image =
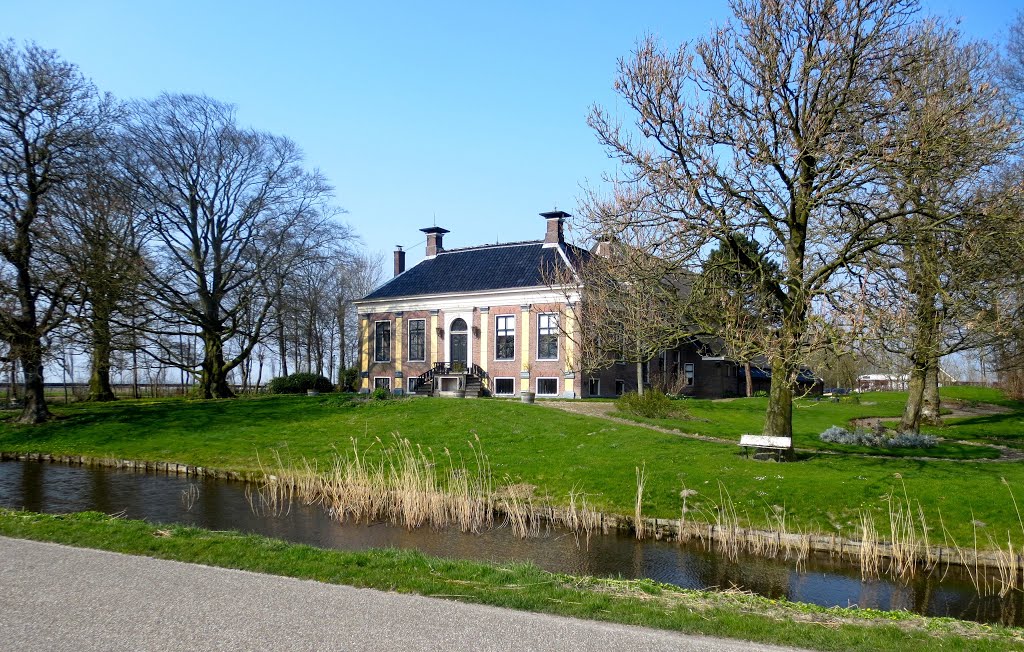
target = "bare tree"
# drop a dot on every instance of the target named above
(1007, 352)
(231, 214)
(103, 248)
(932, 290)
(631, 304)
(51, 118)
(776, 126)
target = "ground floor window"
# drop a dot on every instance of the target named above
(688, 373)
(382, 381)
(595, 387)
(504, 386)
(547, 387)
(413, 384)
(620, 387)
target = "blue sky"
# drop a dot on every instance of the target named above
(472, 114)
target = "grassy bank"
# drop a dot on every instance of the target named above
(523, 587)
(557, 453)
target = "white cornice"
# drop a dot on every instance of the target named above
(469, 300)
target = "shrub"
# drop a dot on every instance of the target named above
(350, 380)
(299, 384)
(651, 404)
(380, 394)
(876, 439)
(761, 393)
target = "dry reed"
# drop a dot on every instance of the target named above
(403, 484)
(641, 480)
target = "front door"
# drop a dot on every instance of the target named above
(459, 352)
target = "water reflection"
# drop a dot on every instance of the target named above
(221, 505)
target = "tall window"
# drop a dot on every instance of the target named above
(505, 337)
(382, 341)
(688, 372)
(547, 337)
(417, 340)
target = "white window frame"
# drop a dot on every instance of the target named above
(552, 323)
(409, 341)
(498, 319)
(590, 387)
(690, 373)
(409, 387)
(391, 339)
(376, 384)
(509, 378)
(537, 385)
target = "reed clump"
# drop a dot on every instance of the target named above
(404, 484)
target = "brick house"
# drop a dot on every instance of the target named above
(485, 321)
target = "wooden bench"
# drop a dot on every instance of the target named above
(776, 448)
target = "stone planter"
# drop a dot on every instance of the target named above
(312, 392)
(527, 397)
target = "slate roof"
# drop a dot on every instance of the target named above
(477, 269)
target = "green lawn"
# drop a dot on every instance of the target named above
(553, 450)
(523, 586)
(811, 417)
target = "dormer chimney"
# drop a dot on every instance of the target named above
(399, 260)
(554, 236)
(434, 235)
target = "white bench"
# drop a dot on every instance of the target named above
(777, 447)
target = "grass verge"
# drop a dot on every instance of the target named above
(557, 452)
(523, 586)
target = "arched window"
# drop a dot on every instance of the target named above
(459, 326)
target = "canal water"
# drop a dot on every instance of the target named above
(220, 505)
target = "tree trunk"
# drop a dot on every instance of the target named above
(911, 421)
(99, 376)
(640, 378)
(213, 381)
(931, 406)
(341, 344)
(778, 421)
(282, 348)
(31, 355)
(749, 377)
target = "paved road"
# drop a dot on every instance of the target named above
(55, 598)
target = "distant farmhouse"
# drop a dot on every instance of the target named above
(484, 321)
(891, 382)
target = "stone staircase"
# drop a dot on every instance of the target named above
(452, 380)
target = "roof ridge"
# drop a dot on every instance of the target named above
(520, 243)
